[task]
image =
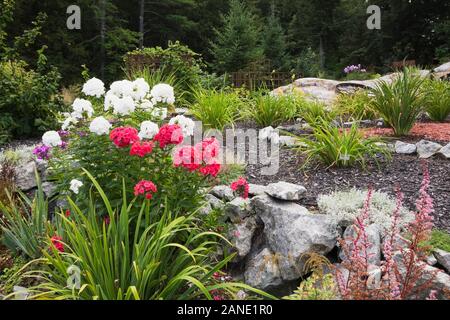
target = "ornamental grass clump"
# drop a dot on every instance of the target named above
(216, 108)
(437, 100)
(403, 274)
(400, 102)
(341, 147)
(271, 110)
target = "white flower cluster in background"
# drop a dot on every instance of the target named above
(51, 139)
(186, 124)
(148, 130)
(123, 98)
(269, 133)
(94, 88)
(100, 126)
(81, 107)
(346, 206)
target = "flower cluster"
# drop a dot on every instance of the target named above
(51, 139)
(202, 157)
(57, 243)
(141, 149)
(169, 134)
(145, 188)
(354, 68)
(42, 152)
(94, 87)
(81, 107)
(241, 187)
(100, 126)
(186, 124)
(124, 136)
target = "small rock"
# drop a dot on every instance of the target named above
(405, 148)
(206, 209)
(374, 239)
(223, 192)
(262, 271)
(215, 203)
(427, 149)
(286, 191)
(445, 151)
(238, 209)
(431, 260)
(288, 141)
(443, 258)
(49, 188)
(256, 189)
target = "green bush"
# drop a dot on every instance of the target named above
(400, 102)
(269, 110)
(355, 106)
(216, 109)
(28, 99)
(437, 100)
(340, 147)
(176, 61)
(146, 257)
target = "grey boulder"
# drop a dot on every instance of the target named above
(285, 191)
(262, 271)
(427, 149)
(405, 148)
(291, 231)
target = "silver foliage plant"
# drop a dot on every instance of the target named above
(345, 206)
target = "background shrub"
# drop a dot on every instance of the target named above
(177, 62)
(28, 99)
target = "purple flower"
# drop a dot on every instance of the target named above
(42, 152)
(63, 145)
(63, 133)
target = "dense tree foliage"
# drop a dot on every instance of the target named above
(230, 34)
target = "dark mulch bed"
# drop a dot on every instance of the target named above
(403, 171)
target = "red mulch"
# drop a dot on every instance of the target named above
(430, 130)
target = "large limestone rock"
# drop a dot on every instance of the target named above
(214, 202)
(238, 209)
(256, 189)
(262, 271)
(291, 230)
(285, 191)
(427, 149)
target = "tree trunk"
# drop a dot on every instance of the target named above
(141, 23)
(102, 37)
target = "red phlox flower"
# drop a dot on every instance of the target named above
(241, 187)
(211, 169)
(57, 243)
(141, 149)
(209, 149)
(145, 188)
(169, 134)
(124, 136)
(187, 157)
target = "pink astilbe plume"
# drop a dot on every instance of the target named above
(404, 273)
